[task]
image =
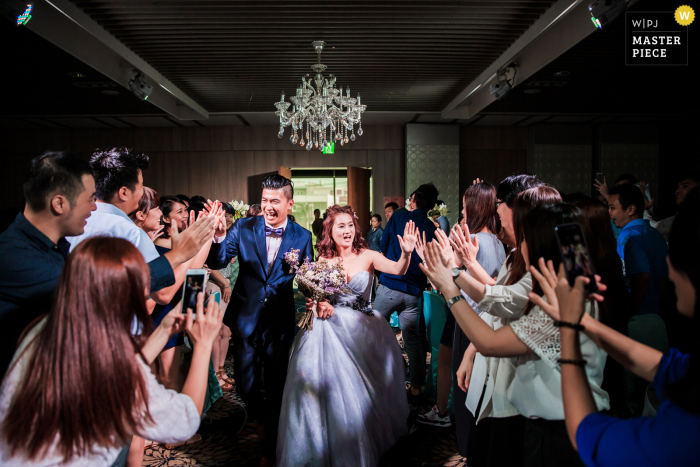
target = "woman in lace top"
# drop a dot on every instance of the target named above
(499, 302)
(72, 401)
(533, 341)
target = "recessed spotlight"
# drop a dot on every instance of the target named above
(75, 74)
(527, 91)
(561, 74)
(110, 92)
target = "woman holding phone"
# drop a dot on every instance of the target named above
(531, 341)
(80, 404)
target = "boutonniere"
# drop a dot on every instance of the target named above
(292, 259)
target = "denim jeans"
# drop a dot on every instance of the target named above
(410, 311)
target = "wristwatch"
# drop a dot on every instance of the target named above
(455, 273)
(454, 300)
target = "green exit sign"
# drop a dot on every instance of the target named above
(329, 149)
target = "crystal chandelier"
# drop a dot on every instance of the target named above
(327, 114)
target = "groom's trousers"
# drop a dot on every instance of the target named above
(266, 348)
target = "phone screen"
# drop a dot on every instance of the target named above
(600, 176)
(574, 254)
(194, 284)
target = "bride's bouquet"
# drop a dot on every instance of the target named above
(316, 281)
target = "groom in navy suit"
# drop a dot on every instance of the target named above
(261, 310)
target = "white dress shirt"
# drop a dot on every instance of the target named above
(110, 221)
(492, 376)
(273, 243)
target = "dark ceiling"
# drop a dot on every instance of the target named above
(407, 59)
(401, 55)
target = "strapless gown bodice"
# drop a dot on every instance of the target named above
(345, 397)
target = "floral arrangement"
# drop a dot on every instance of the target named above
(240, 207)
(316, 281)
(438, 210)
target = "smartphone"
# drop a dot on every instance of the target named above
(195, 281)
(600, 176)
(575, 255)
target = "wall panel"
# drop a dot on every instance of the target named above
(210, 161)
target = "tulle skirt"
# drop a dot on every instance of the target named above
(345, 397)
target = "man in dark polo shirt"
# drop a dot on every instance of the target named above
(404, 294)
(60, 196)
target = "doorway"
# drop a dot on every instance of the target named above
(319, 189)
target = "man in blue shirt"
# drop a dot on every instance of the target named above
(59, 194)
(404, 294)
(641, 247)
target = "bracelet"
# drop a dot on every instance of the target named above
(564, 361)
(566, 324)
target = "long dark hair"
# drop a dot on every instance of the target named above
(538, 232)
(602, 246)
(84, 387)
(684, 257)
(522, 205)
(480, 203)
(326, 245)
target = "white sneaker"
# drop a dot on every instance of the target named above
(433, 418)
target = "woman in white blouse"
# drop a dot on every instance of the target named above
(533, 340)
(79, 386)
(499, 301)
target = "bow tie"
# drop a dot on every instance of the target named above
(275, 232)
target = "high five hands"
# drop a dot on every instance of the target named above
(410, 238)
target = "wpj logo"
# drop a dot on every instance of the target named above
(657, 38)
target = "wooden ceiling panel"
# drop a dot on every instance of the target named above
(401, 56)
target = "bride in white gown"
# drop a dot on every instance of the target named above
(345, 397)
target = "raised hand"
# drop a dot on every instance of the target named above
(410, 237)
(602, 187)
(175, 321)
(153, 234)
(478, 180)
(648, 203)
(445, 249)
(436, 267)
(420, 246)
(188, 243)
(463, 247)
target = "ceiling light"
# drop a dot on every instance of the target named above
(604, 11)
(501, 87)
(561, 74)
(75, 74)
(328, 115)
(17, 11)
(139, 87)
(531, 91)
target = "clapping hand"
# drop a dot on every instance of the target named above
(445, 249)
(213, 208)
(437, 267)
(420, 246)
(153, 234)
(323, 309)
(602, 187)
(410, 237)
(478, 180)
(463, 247)
(564, 303)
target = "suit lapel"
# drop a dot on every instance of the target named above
(287, 242)
(260, 242)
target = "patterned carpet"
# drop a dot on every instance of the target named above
(229, 439)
